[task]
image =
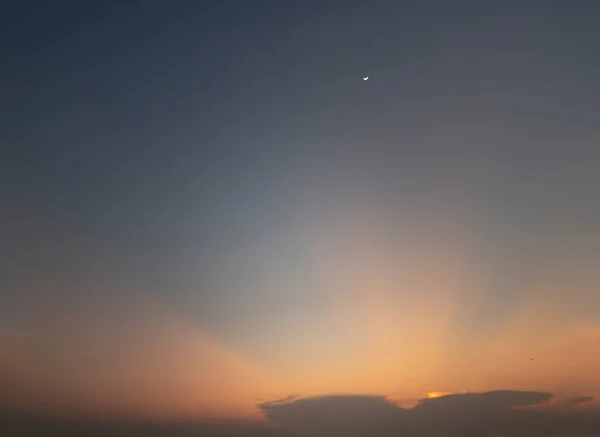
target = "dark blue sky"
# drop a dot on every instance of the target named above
(228, 159)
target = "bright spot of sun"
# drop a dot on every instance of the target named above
(436, 394)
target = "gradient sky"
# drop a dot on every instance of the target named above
(203, 206)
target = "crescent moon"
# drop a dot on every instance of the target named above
(366, 78)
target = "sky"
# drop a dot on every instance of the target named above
(205, 208)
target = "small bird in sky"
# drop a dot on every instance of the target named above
(366, 78)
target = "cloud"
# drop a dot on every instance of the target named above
(577, 400)
(463, 412)
(287, 399)
(338, 415)
(566, 404)
(494, 400)
(335, 413)
(504, 412)
(472, 404)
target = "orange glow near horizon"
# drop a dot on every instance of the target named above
(147, 364)
(396, 311)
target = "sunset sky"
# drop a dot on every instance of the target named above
(203, 207)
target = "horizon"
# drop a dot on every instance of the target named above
(506, 413)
